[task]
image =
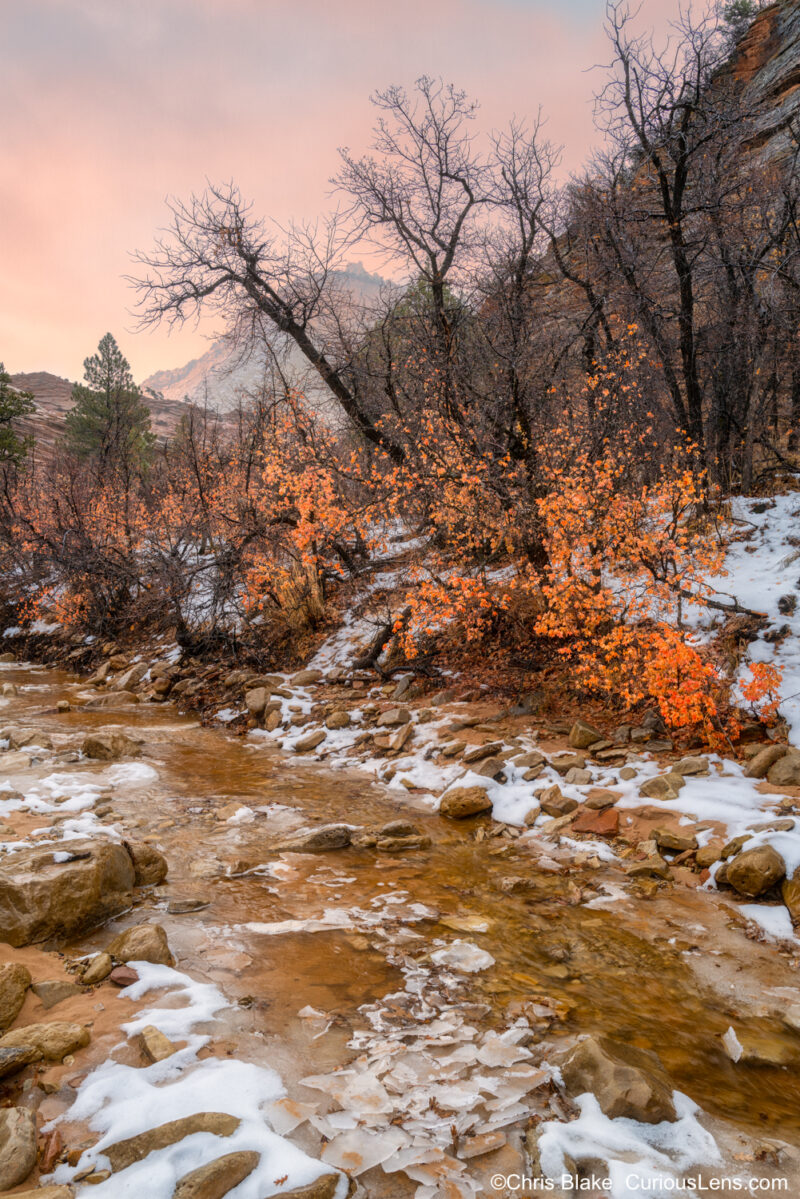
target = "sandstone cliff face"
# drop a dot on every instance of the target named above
(767, 62)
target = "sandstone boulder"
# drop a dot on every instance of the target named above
(323, 1187)
(17, 1145)
(755, 871)
(554, 803)
(339, 719)
(582, 735)
(42, 899)
(52, 1041)
(14, 982)
(135, 1149)
(394, 717)
(256, 700)
(99, 968)
(133, 675)
(663, 786)
(311, 740)
(304, 677)
(460, 802)
(666, 838)
(106, 747)
(790, 894)
(12, 1060)
(142, 943)
(761, 762)
(149, 866)
(603, 823)
(214, 1180)
(786, 771)
(317, 840)
(626, 1081)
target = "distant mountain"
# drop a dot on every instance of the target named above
(53, 399)
(222, 376)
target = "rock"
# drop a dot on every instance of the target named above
(123, 976)
(626, 1081)
(62, 1191)
(763, 760)
(149, 866)
(490, 768)
(393, 717)
(142, 943)
(791, 1017)
(580, 778)
(317, 840)
(17, 1145)
(786, 771)
(561, 763)
(554, 803)
(732, 847)
(9, 689)
(7, 658)
(402, 736)
(402, 844)
(755, 871)
(304, 677)
(707, 855)
(40, 898)
(105, 747)
(133, 675)
(476, 753)
(652, 867)
(323, 1187)
(155, 1046)
(582, 735)
(15, 761)
(690, 766)
(399, 828)
(761, 1049)
(790, 894)
(598, 799)
(99, 968)
(116, 699)
(600, 824)
(135, 1149)
(14, 1060)
(339, 719)
(52, 1041)
(663, 786)
(311, 740)
(256, 700)
(54, 991)
(14, 982)
(63, 705)
(534, 758)
(665, 838)
(627, 773)
(459, 802)
(214, 1180)
(184, 907)
(273, 720)
(452, 748)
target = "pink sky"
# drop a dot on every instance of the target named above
(112, 106)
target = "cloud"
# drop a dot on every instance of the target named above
(115, 106)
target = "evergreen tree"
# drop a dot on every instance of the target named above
(109, 421)
(13, 404)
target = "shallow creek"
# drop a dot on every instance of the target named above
(669, 971)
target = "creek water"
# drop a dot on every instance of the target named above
(669, 972)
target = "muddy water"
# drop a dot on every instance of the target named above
(669, 974)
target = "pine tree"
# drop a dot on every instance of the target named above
(13, 404)
(109, 422)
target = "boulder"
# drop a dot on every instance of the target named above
(338, 719)
(489, 768)
(786, 771)
(323, 1187)
(578, 777)
(707, 855)
(761, 762)
(755, 871)
(459, 802)
(582, 735)
(554, 803)
(41, 898)
(115, 699)
(17, 1145)
(604, 823)
(135, 1149)
(123, 976)
(564, 762)
(790, 894)
(105, 747)
(311, 740)
(626, 1081)
(15, 1059)
(14, 982)
(256, 700)
(62, 1191)
(476, 753)
(650, 867)
(598, 798)
(393, 717)
(133, 675)
(52, 991)
(214, 1180)
(690, 766)
(304, 677)
(317, 840)
(663, 786)
(51, 1041)
(149, 866)
(155, 1046)
(99, 968)
(142, 943)
(533, 758)
(666, 838)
